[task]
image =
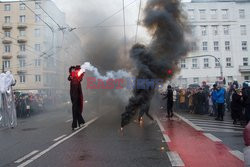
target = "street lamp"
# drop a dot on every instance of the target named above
(221, 69)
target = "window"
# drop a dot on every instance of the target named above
(204, 46)
(243, 29)
(191, 14)
(7, 34)
(38, 78)
(7, 19)
(203, 30)
(215, 29)
(225, 13)
(194, 63)
(22, 19)
(196, 80)
(216, 46)
(22, 6)
(7, 7)
(226, 29)
(183, 63)
(245, 61)
(37, 62)
(202, 14)
(217, 63)
(22, 78)
(206, 62)
(37, 5)
(22, 33)
(6, 63)
(22, 47)
(244, 45)
(7, 48)
(37, 47)
(246, 77)
(213, 13)
(227, 45)
(242, 13)
(37, 32)
(22, 63)
(228, 62)
(230, 79)
(38, 18)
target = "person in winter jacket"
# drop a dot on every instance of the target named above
(220, 100)
(236, 105)
(170, 101)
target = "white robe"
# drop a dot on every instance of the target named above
(7, 102)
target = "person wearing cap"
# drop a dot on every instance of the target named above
(75, 77)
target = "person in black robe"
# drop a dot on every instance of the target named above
(76, 95)
(236, 105)
(170, 101)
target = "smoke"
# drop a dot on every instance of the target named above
(167, 26)
(109, 74)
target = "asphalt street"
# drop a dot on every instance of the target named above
(46, 139)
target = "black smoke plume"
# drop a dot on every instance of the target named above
(165, 22)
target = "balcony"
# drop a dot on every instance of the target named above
(7, 26)
(7, 40)
(21, 70)
(21, 54)
(22, 39)
(22, 25)
(7, 55)
(244, 69)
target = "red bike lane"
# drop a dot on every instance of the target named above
(194, 148)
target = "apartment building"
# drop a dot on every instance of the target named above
(221, 30)
(31, 44)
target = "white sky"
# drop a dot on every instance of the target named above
(78, 11)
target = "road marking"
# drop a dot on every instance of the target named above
(60, 137)
(159, 124)
(214, 122)
(68, 120)
(207, 120)
(56, 144)
(212, 137)
(189, 122)
(238, 154)
(219, 126)
(166, 138)
(221, 130)
(175, 159)
(26, 156)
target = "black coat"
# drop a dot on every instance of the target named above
(236, 106)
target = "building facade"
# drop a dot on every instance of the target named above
(32, 43)
(221, 30)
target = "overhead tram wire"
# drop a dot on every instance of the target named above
(50, 17)
(107, 18)
(139, 13)
(51, 28)
(124, 27)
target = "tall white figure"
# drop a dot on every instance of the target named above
(7, 101)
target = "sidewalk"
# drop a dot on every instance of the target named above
(195, 148)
